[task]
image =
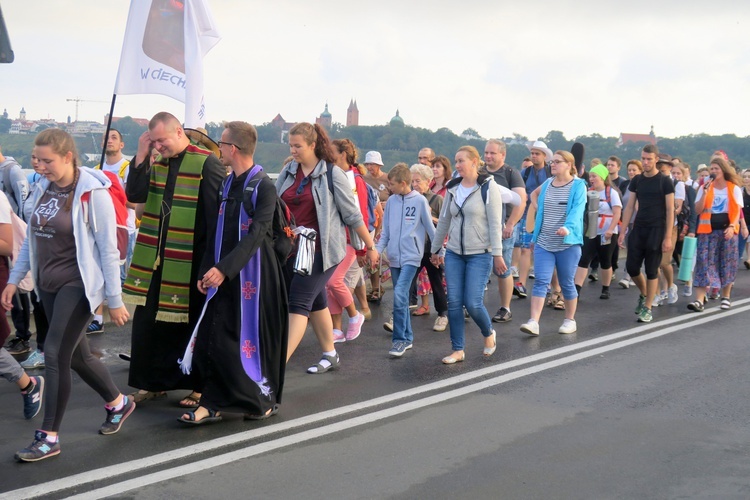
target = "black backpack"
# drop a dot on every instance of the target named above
(688, 205)
(283, 220)
(527, 171)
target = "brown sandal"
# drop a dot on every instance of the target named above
(560, 303)
(141, 396)
(192, 400)
(376, 295)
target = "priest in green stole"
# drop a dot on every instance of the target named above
(179, 191)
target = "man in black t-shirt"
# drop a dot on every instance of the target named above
(508, 177)
(649, 236)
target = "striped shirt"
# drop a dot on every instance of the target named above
(555, 208)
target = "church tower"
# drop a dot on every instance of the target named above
(352, 114)
(325, 120)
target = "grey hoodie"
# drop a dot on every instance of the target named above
(94, 228)
(474, 227)
(18, 186)
(333, 211)
(406, 221)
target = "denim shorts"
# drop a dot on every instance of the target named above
(507, 254)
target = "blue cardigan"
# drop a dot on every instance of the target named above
(573, 212)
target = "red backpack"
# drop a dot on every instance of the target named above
(121, 212)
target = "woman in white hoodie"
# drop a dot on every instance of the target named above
(71, 250)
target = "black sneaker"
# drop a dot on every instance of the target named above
(520, 291)
(18, 346)
(39, 449)
(95, 327)
(116, 418)
(604, 295)
(502, 315)
(32, 399)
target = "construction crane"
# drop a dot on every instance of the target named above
(78, 100)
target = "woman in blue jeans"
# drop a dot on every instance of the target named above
(472, 218)
(557, 208)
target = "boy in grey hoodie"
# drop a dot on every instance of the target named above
(407, 220)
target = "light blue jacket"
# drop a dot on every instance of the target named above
(94, 230)
(573, 212)
(406, 221)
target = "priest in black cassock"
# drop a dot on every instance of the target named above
(239, 346)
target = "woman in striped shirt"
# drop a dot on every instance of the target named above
(557, 208)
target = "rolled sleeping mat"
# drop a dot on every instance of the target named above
(687, 261)
(592, 214)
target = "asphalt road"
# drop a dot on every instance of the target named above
(617, 410)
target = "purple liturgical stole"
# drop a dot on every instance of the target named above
(249, 286)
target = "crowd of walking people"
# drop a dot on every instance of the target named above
(226, 268)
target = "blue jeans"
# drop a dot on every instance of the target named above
(466, 276)
(128, 257)
(402, 278)
(741, 246)
(566, 262)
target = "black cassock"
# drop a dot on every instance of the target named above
(217, 354)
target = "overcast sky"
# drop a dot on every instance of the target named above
(529, 67)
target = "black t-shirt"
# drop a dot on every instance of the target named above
(504, 174)
(650, 193)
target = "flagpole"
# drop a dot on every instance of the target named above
(106, 132)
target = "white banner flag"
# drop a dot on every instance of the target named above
(162, 53)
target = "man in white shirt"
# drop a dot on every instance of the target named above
(115, 162)
(668, 287)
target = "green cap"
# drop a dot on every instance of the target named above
(601, 171)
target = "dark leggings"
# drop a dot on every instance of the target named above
(308, 293)
(66, 347)
(593, 248)
(40, 319)
(435, 274)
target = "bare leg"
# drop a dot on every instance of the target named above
(323, 328)
(651, 286)
(297, 326)
(24, 381)
(524, 265)
(505, 287)
(580, 278)
(360, 292)
(571, 306)
(537, 304)
(336, 320)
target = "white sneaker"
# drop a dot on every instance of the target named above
(531, 327)
(687, 290)
(568, 326)
(660, 299)
(532, 275)
(441, 323)
(514, 272)
(672, 294)
(624, 283)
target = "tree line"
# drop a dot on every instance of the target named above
(401, 144)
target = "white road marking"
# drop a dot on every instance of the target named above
(679, 323)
